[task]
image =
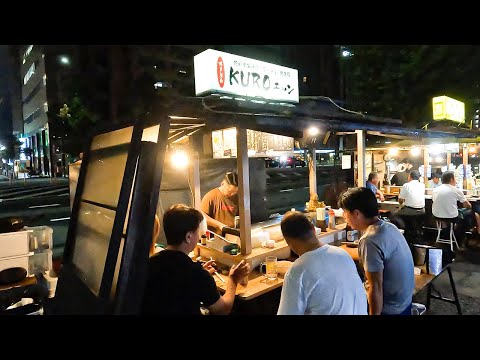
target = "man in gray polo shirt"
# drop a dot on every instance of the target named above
(384, 255)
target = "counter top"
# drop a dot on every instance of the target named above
(257, 285)
(469, 198)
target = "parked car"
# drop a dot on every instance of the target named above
(271, 163)
(300, 162)
(32, 172)
(292, 161)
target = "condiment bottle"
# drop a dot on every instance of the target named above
(331, 219)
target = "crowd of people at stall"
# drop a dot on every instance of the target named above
(323, 280)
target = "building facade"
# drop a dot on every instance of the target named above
(50, 77)
(122, 82)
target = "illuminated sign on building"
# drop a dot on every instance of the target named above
(260, 144)
(220, 72)
(445, 108)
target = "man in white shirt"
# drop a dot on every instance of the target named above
(435, 182)
(445, 198)
(412, 197)
(323, 280)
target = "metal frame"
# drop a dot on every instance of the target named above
(133, 270)
(121, 211)
(431, 286)
(69, 276)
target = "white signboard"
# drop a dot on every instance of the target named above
(220, 72)
(346, 161)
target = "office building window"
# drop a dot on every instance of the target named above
(29, 50)
(29, 74)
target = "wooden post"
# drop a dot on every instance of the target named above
(312, 171)
(465, 164)
(244, 192)
(425, 165)
(361, 181)
(449, 160)
(194, 174)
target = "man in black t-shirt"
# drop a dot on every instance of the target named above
(178, 286)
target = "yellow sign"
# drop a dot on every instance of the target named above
(445, 108)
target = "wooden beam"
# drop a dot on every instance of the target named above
(244, 192)
(465, 164)
(312, 171)
(361, 177)
(425, 165)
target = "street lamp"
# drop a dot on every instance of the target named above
(345, 54)
(64, 60)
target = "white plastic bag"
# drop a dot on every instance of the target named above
(435, 261)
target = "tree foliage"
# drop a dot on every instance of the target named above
(73, 120)
(8, 146)
(399, 81)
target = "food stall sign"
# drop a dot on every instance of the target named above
(260, 144)
(446, 108)
(221, 72)
(442, 148)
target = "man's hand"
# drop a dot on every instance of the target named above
(239, 271)
(209, 266)
(382, 198)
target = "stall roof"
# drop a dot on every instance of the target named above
(220, 111)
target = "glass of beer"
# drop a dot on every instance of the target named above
(270, 266)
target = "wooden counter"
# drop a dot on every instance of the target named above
(352, 251)
(421, 280)
(257, 285)
(281, 250)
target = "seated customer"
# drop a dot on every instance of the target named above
(175, 284)
(372, 185)
(412, 197)
(323, 280)
(384, 255)
(445, 198)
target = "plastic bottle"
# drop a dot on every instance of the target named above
(331, 219)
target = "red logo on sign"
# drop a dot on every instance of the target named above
(220, 72)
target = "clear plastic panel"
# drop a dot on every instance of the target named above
(94, 229)
(151, 133)
(112, 138)
(105, 174)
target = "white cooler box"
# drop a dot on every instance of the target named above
(14, 243)
(16, 261)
